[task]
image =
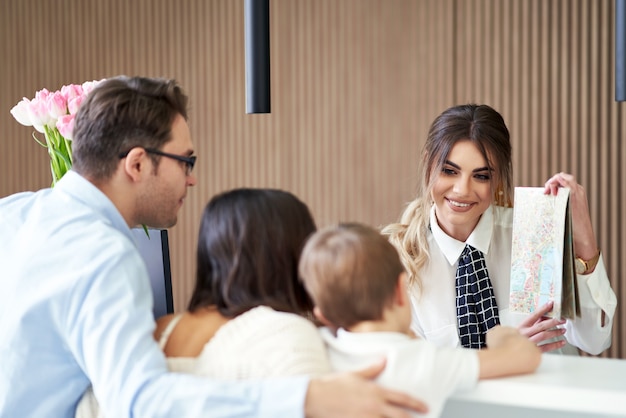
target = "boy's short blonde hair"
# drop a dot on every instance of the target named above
(351, 272)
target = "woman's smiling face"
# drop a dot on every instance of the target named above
(462, 190)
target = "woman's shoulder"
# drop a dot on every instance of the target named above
(264, 315)
(502, 215)
(161, 324)
(264, 322)
(164, 327)
(263, 342)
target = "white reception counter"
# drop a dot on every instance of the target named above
(563, 386)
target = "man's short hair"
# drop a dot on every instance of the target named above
(122, 113)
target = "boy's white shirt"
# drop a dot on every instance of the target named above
(414, 365)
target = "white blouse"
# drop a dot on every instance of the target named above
(434, 308)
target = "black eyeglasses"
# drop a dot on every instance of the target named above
(189, 161)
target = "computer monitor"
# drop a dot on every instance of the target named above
(156, 253)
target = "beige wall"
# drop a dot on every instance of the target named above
(355, 84)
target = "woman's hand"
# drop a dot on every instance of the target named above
(539, 328)
(585, 245)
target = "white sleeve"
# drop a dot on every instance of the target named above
(430, 373)
(456, 369)
(596, 296)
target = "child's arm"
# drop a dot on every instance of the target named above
(508, 353)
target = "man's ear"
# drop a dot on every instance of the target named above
(136, 163)
(401, 294)
(320, 317)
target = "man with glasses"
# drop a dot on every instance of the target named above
(76, 302)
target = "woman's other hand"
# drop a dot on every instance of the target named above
(585, 245)
(539, 328)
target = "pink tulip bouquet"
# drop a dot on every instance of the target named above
(52, 114)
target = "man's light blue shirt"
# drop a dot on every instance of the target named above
(76, 307)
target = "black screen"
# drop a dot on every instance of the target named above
(156, 253)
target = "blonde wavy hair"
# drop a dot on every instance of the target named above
(485, 128)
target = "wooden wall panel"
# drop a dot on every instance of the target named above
(355, 85)
(556, 92)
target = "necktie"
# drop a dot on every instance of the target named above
(476, 308)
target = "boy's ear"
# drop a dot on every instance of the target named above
(401, 293)
(320, 317)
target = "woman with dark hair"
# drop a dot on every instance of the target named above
(463, 211)
(249, 315)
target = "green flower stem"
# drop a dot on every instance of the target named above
(60, 152)
(68, 149)
(54, 163)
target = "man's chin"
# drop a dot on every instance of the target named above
(160, 224)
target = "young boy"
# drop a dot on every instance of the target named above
(358, 284)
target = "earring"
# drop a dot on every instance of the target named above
(499, 199)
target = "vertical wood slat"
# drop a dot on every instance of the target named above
(560, 99)
(355, 84)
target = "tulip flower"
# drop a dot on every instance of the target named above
(52, 113)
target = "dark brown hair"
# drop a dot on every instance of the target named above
(248, 251)
(119, 114)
